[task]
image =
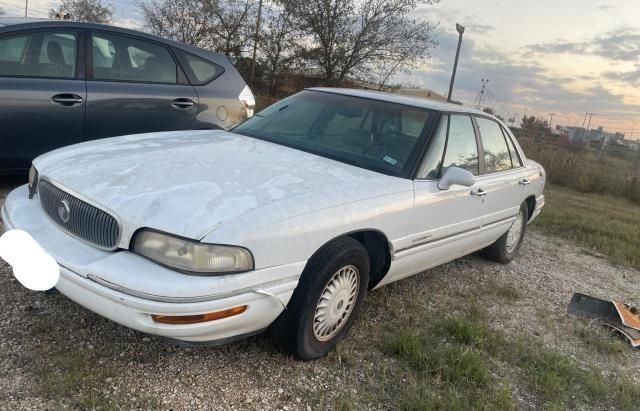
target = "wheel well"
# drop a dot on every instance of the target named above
(377, 246)
(531, 206)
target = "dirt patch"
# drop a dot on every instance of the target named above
(55, 353)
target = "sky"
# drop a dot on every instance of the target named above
(567, 57)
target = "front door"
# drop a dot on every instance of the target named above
(446, 222)
(135, 86)
(42, 94)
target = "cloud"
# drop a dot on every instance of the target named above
(37, 8)
(514, 83)
(631, 78)
(622, 45)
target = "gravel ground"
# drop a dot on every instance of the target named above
(54, 353)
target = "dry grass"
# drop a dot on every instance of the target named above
(607, 225)
(589, 170)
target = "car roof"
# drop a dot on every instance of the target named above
(400, 99)
(10, 21)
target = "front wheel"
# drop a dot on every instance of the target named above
(506, 247)
(326, 302)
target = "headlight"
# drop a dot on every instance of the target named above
(33, 181)
(192, 256)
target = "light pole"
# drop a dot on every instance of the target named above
(26, 7)
(460, 30)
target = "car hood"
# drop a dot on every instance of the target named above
(189, 182)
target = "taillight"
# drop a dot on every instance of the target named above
(248, 101)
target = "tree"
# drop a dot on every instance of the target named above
(231, 25)
(93, 11)
(221, 25)
(534, 126)
(278, 43)
(492, 112)
(186, 21)
(355, 38)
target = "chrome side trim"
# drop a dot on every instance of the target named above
(459, 233)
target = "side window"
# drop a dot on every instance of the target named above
(199, 71)
(496, 151)
(515, 157)
(430, 169)
(462, 149)
(39, 54)
(123, 58)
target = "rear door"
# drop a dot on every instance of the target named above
(42, 93)
(134, 85)
(503, 174)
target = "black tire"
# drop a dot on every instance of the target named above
(293, 331)
(499, 251)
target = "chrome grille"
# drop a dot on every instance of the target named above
(82, 219)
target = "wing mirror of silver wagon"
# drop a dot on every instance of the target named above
(456, 176)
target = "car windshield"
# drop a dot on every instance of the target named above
(372, 134)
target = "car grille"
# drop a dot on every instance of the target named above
(83, 220)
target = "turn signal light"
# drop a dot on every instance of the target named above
(198, 318)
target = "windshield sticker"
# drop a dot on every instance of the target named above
(390, 160)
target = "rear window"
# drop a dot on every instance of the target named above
(199, 71)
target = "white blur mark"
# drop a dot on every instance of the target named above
(32, 266)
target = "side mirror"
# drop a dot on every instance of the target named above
(456, 176)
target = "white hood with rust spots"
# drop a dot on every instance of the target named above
(189, 182)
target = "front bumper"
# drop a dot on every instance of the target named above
(127, 288)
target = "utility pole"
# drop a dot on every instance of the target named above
(26, 7)
(255, 44)
(482, 91)
(551, 120)
(632, 129)
(589, 124)
(460, 30)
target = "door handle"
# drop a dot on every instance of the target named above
(182, 103)
(524, 182)
(479, 192)
(67, 99)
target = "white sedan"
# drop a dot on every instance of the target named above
(285, 222)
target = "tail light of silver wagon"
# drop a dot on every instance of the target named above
(248, 101)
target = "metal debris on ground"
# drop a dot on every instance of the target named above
(614, 314)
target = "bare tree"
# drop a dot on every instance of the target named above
(231, 24)
(351, 37)
(278, 43)
(94, 11)
(186, 21)
(222, 25)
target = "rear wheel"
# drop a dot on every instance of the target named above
(326, 302)
(506, 247)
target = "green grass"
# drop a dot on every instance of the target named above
(458, 363)
(604, 224)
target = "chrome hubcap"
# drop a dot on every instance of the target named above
(336, 303)
(514, 233)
